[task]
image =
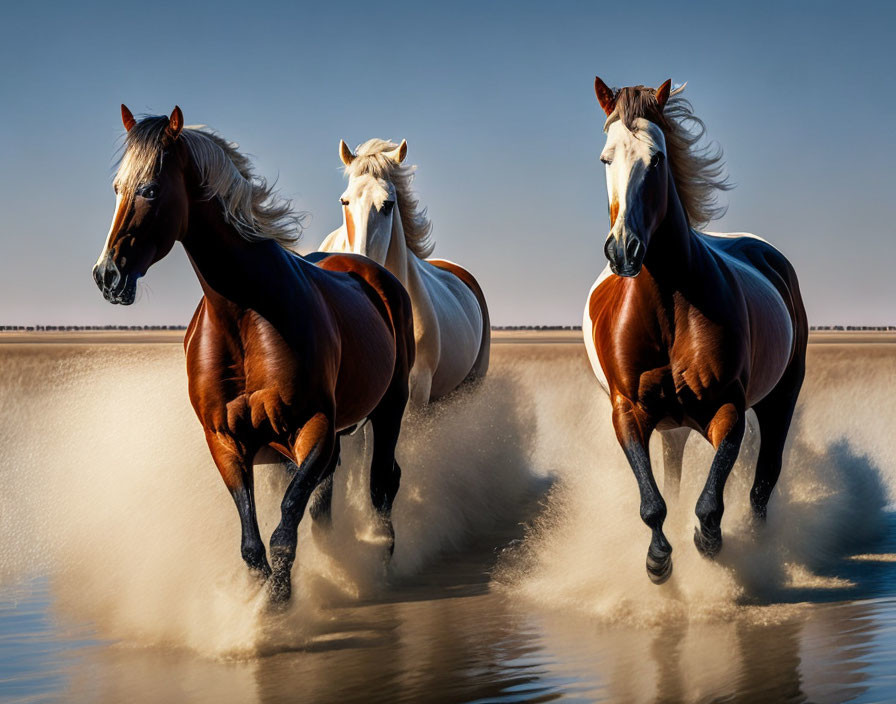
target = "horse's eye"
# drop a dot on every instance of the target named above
(149, 191)
(387, 206)
(656, 159)
(344, 201)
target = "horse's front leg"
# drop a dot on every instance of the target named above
(725, 431)
(314, 449)
(235, 466)
(633, 430)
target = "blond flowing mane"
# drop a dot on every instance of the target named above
(370, 158)
(698, 172)
(250, 204)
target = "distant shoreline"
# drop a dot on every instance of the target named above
(82, 337)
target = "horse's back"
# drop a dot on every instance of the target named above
(460, 319)
(362, 339)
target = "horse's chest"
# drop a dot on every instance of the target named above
(247, 384)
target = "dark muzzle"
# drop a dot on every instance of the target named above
(625, 258)
(115, 286)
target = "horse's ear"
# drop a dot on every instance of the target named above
(127, 118)
(662, 93)
(175, 123)
(399, 154)
(345, 153)
(605, 96)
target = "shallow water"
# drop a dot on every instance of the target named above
(518, 573)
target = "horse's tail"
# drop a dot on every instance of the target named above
(480, 366)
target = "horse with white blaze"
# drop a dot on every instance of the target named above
(686, 330)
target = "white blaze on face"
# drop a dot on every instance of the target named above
(368, 226)
(628, 155)
(120, 213)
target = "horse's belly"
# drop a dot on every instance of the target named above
(771, 331)
(366, 369)
(459, 319)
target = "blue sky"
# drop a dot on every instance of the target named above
(496, 102)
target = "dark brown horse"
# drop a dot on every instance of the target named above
(687, 329)
(281, 352)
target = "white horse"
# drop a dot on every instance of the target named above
(451, 322)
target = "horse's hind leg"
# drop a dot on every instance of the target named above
(673, 454)
(385, 474)
(633, 432)
(314, 452)
(774, 414)
(237, 472)
(321, 501)
(726, 432)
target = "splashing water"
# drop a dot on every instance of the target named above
(586, 551)
(109, 489)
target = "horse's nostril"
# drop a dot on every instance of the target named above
(633, 248)
(111, 275)
(611, 249)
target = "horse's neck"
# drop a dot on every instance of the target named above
(399, 259)
(670, 254)
(234, 271)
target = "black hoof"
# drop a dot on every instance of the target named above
(659, 566)
(708, 541)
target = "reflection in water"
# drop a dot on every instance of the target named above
(484, 647)
(125, 596)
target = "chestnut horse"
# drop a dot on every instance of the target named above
(686, 329)
(281, 353)
(381, 220)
